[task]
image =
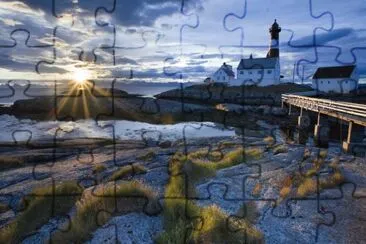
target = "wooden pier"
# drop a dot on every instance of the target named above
(352, 113)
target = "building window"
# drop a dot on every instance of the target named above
(250, 72)
(269, 71)
(321, 82)
(346, 81)
(241, 72)
(328, 82)
(260, 71)
(223, 77)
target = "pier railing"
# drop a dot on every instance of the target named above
(351, 112)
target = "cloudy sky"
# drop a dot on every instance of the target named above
(174, 40)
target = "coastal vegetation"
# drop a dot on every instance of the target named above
(99, 205)
(7, 162)
(187, 221)
(4, 207)
(281, 148)
(98, 168)
(127, 171)
(270, 140)
(309, 180)
(42, 204)
(147, 156)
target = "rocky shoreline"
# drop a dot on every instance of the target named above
(138, 227)
(163, 109)
(276, 181)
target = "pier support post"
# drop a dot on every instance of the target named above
(303, 121)
(303, 124)
(289, 109)
(346, 146)
(321, 133)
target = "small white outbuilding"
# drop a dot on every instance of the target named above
(224, 74)
(336, 79)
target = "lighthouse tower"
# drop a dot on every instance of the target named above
(274, 51)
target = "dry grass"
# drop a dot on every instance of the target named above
(213, 227)
(282, 148)
(98, 168)
(307, 154)
(97, 207)
(323, 153)
(127, 171)
(318, 163)
(147, 157)
(4, 207)
(269, 140)
(286, 184)
(42, 205)
(306, 184)
(307, 187)
(334, 180)
(198, 168)
(311, 172)
(334, 163)
(7, 162)
(285, 191)
(227, 144)
(256, 192)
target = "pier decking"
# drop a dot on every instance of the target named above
(353, 113)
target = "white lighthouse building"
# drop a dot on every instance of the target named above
(260, 71)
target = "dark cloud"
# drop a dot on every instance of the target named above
(127, 13)
(124, 60)
(320, 38)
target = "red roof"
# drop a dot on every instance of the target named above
(334, 72)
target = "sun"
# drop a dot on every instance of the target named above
(81, 76)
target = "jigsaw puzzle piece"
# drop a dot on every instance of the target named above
(19, 16)
(341, 38)
(23, 55)
(234, 217)
(234, 22)
(73, 12)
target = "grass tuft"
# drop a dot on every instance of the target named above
(307, 154)
(98, 168)
(285, 191)
(269, 140)
(42, 205)
(335, 179)
(256, 192)
(307, 187)
(7, 162)
(323, 153)
(127, 171)
(282, 148)
(4, 208)
(211, 222)
(197, 168)
(148, 156)
(96, 207)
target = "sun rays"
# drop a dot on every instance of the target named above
(83, 98)
(81, 76)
